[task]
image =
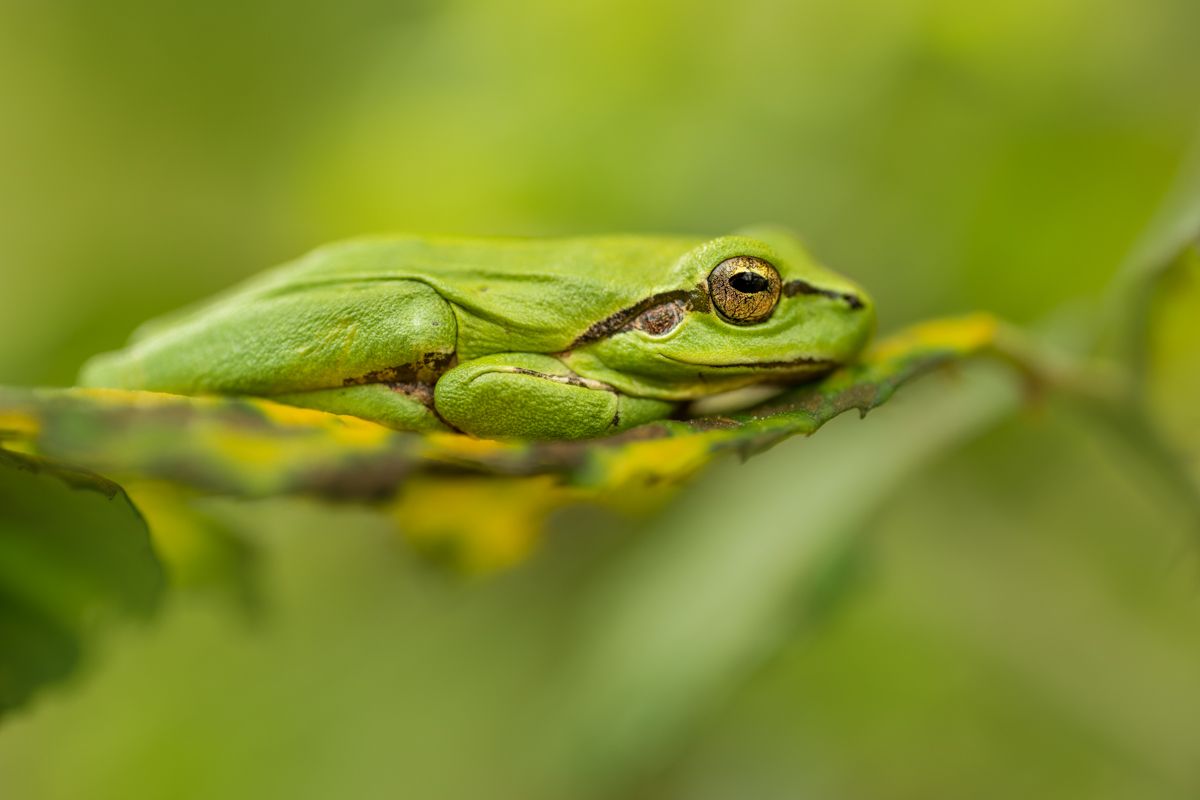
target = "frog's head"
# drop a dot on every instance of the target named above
(746, 309)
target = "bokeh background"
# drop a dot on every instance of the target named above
(1013, 610)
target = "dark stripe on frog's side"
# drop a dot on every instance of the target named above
(693, 300)
(427, 369)
(793, 288)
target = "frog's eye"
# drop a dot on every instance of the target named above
(744, 289)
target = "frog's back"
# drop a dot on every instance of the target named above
(529, 294)
(628, 261)
(495, 275)
(361, 305)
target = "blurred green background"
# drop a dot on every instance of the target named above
(1017, 617)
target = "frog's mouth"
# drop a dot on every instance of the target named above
(805, 363)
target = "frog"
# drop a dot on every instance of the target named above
(507, 337)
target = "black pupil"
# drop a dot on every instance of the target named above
(749, 282)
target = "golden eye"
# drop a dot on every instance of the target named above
(744, 289)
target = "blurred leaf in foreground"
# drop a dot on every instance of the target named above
(72, 550)
(200, 549)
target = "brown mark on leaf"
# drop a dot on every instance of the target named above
(862, 396)
(810, 403)
(713, 423)
(641, 433)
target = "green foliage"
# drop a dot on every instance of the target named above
(73, 551)
(1021, 620)
(1174, 357)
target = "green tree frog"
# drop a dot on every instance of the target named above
(508, 338)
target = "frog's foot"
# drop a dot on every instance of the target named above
(403, 406)
(528, 396)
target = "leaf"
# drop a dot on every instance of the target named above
(73, 550)
(496, 522)
(200, 550)
(255, 448)
(1174, 228)
(1156, 302)
(1171, 390)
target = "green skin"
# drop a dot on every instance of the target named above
(500, 338)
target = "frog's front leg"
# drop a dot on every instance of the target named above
(530, 396)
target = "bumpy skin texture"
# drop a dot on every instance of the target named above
(542, 339)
